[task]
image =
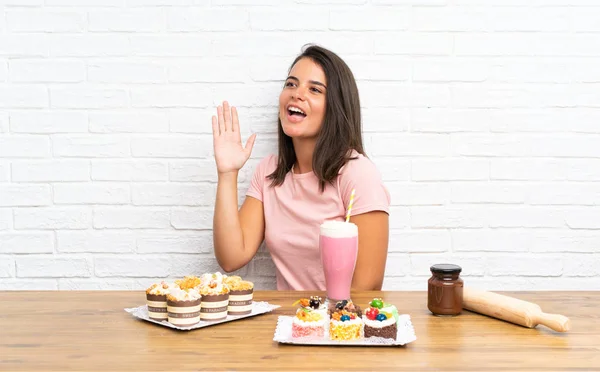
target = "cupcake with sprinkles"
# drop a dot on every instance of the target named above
(380, 321)
(310, 321)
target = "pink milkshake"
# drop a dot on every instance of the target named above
(338, 242)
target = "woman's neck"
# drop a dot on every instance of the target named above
(304, 149)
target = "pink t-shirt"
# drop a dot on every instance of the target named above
(295, 210)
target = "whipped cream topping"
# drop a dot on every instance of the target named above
(161, 288)
(181, 295)
(338, 229)
(315, 323)
(213, 284)
(377, 323)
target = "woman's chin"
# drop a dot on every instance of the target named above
(297, 130)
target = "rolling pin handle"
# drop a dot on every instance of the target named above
(557, 322)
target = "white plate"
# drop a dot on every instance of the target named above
(406, 334)
(258, 308)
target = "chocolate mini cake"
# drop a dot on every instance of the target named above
(214, 306)
(384, 329)
(380, 323)
(183, 308)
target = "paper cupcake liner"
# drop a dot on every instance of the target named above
(240, 302)
(183, 313)
(214, 307)
(157, 306)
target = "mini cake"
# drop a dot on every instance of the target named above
(156, 298)
(183, 307)
(309, 320)
(345, 325)
(215, 297)
(188, 282)
(240, 295)
(379, 323)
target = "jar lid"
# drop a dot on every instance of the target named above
(445, 269)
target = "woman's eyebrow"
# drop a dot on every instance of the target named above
(310, 81)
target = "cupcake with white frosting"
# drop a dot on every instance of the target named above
(156, 299)
(215, 297)
(240, 295)
(183, 307)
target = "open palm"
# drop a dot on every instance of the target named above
(230, 154)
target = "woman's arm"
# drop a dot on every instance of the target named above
(373, 237)
(236, 234)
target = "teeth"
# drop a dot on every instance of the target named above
(295, 109)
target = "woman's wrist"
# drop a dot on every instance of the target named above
(228, 176)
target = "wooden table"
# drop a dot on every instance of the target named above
(73, 330)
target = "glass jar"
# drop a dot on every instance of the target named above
(445, 290)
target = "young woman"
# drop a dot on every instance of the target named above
(320, 160)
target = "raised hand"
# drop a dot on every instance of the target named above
(230, 155)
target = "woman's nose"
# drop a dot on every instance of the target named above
(300, 93)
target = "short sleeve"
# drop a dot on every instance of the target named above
(259, 178)
(370, 194)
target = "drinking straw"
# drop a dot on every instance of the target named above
(350, 206)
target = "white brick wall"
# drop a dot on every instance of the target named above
(482, 115)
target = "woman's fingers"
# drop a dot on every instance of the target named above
(235, 120)
(215, 127)
(221, 120)
(227, 116)
(249, 145)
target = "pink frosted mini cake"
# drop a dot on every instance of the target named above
(310, 320)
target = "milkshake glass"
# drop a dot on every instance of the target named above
(338, 242)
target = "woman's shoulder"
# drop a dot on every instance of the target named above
(266, 165)
(359, 166)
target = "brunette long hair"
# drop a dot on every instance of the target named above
(341, 131)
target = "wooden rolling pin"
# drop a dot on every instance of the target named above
(512, 310)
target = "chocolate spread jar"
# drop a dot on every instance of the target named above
(445, 290)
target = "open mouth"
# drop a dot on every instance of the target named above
(296, 112)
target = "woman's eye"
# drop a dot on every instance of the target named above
(316, 90)
(289, 84)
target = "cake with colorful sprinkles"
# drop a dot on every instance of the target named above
(380, 320)
(345, 323)
(310, 319)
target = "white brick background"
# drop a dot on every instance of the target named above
(482, 115)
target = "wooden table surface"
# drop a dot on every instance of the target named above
(72, 330)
